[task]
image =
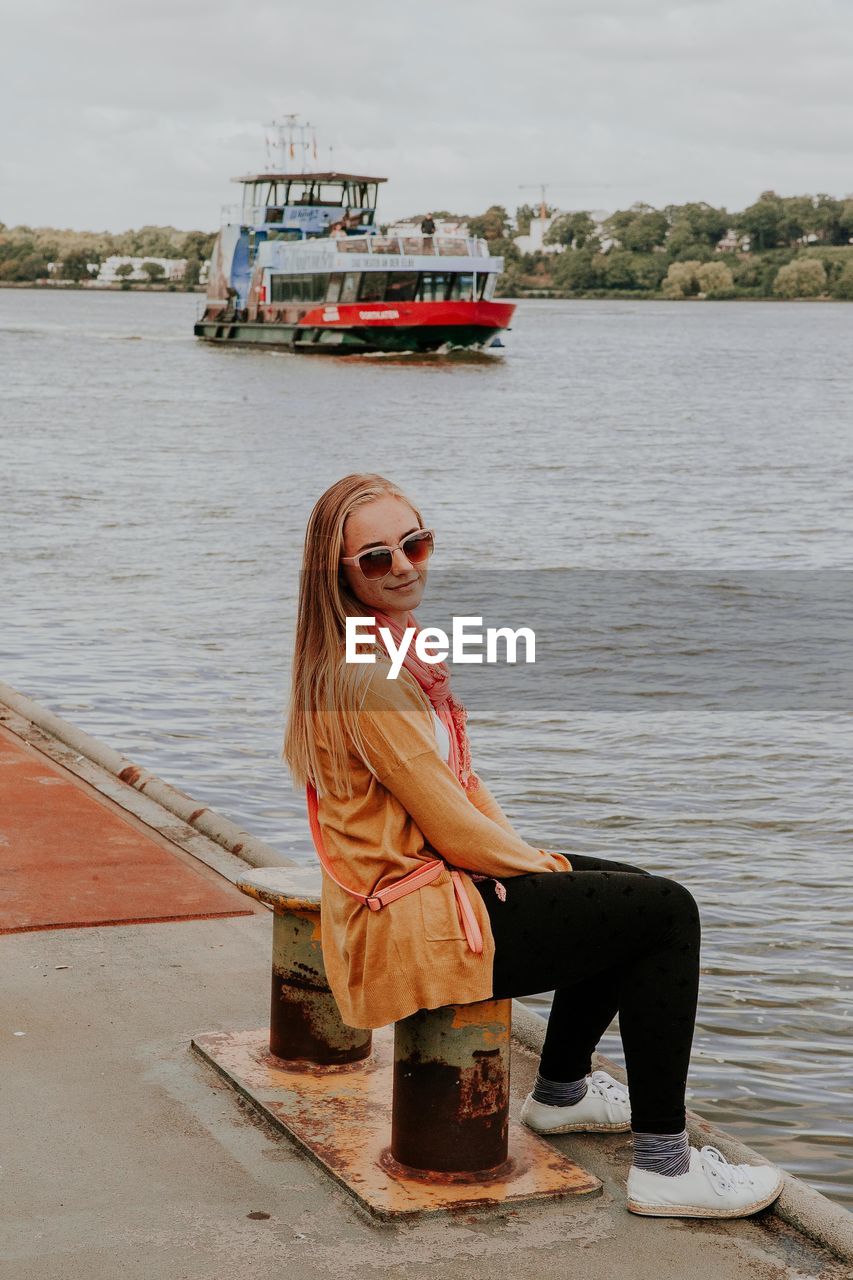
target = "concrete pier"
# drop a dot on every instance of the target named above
(125, 1155)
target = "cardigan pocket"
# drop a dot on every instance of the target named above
(439, 910)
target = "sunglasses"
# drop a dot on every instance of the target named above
(376, 563)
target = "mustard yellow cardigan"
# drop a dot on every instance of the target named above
(406, 808)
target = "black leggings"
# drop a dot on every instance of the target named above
(606, 938)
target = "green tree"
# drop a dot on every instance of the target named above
(125, 270)
(192, 272)
(20, 256)
(75, 266)
(682, 280)
(579, 271)
(640, 228)
(524, 215)
(802, 278)
(649, 270)
(797, 220)
(506, 249)
(715, 280)
(762, 221)
(619, 269)
(826, 219)
(197, 244)
(842, 286)
(152, 242)
(747, 273)
(153, 270)
(491, 225)
(696, 223)
(689, 251)
(845, 221)
(574, 230)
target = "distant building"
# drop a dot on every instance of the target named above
(173, 269)
(733, 242)
(534, 240)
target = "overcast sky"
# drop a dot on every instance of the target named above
(117, 114)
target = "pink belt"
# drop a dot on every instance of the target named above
(399, 888)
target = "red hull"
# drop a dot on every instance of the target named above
(408, 315)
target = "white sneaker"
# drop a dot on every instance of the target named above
(712, 1188)
(604, 1108)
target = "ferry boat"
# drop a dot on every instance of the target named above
(303, 266)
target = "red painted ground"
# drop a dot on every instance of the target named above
(70, 857)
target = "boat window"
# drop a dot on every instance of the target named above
(373, 286)
(349, 288)
(433, 286)
(488, 289)
(298, 288)
(462, 286)
(402, 286)
(333, 293)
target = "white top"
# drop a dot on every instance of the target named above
(442, 737)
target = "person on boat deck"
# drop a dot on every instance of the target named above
(391, 788)
(428, 225)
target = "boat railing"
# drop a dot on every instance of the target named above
(420, 246)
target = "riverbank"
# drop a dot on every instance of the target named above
(817, 272)
(90, 286)
(633, 295)
(155, 1168)
(598, 295)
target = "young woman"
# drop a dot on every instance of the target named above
(430, 897)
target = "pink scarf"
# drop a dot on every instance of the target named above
(434, 680)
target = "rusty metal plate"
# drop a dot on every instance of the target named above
(341, 1118)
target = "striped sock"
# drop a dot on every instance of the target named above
(666, 1153)
(557, 1093)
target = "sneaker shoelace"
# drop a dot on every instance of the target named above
(724, 1176)
(608, 1088)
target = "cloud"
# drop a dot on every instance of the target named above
(127, 114)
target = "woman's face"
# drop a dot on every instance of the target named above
(384, 522)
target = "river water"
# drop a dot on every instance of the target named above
(153, 497)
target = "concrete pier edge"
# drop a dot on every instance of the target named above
(200, 817)
(800, 1205)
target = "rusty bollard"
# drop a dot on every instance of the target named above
(305, 1024)
(450, 1106)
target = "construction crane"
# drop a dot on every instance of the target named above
(542, 187)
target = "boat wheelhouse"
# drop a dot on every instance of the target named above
(305, 267)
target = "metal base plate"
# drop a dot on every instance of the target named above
(341, 1118)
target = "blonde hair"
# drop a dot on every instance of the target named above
(324, 688)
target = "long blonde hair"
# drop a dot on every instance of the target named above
(323, 686)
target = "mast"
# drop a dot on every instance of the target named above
(290, 144)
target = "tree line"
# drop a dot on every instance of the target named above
(786, 246)
(783, 246)
(26, 251)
